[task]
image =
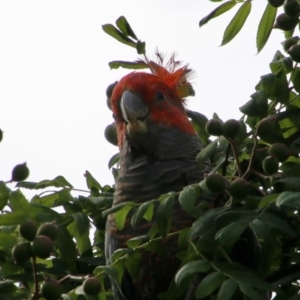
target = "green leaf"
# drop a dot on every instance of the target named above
(145, 209)
(82, 223)
(3, 199)
(118, 35)
(18, 202)
(27, 185)
(115, 208)
(205, 223)
(257, 106)
(133, 263)
(250, 292)
(275, 222)
(114, 160)
(291, 180)
(229, 234)
(127, 65)
(242, 275)
(119, 253)
(91, 182)
(199, 121)
(285, 64)
(141, 47)
(7, 240)
(111, 271)
(237, 22)
(209, 284)
(259, 227)
(48, 200)
(121, 215)
(207, 152)
(124, 26)
(136, 241)
(7, 287)
(13, 218)
(290, 199)
(230, 216)
(227, 289)
(268, 82)
(295, 78)
(267, 200)
(187, 199)
(191, 268)
(265, 26)
(217, 12)
(164, 213)
(67, 248)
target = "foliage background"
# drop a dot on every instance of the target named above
(77, 209)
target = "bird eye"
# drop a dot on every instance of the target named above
(160, 95)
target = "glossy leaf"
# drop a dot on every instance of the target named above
(163, 215)
(133, 263)
(275, 222)
(191, 268)
(187, 199)
(211, 282)
(250, 292)
(145, 209)
(13, 218)
(116, 208)
(265, 26)
(229, 234)
(227, 289)
(236, 23)
(242, 275)
(257, 106)
(217, 12)
(127, 65)
(114, 160)
(290, 199)
(121, 215)
(124, 26)
(141, 47)
(91, 182)
(118, 35)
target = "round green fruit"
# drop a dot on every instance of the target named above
(291, 8)
(48, 229)
(294, 53)
(1, 135)
(286, 23)
(51, 289)
(216, 183)
(91, 286)
(279, 150)
(288, 43)
(231, 128)
(42, 246)
(214, 127)
(111, 135)
(28, 230)
(270, 165)
(239, 188)
(21, 252)
(20, 172)
(276, 3)
(265, 126)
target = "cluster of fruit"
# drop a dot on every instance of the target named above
(289, 19)
(39, 241)
(276, 154)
